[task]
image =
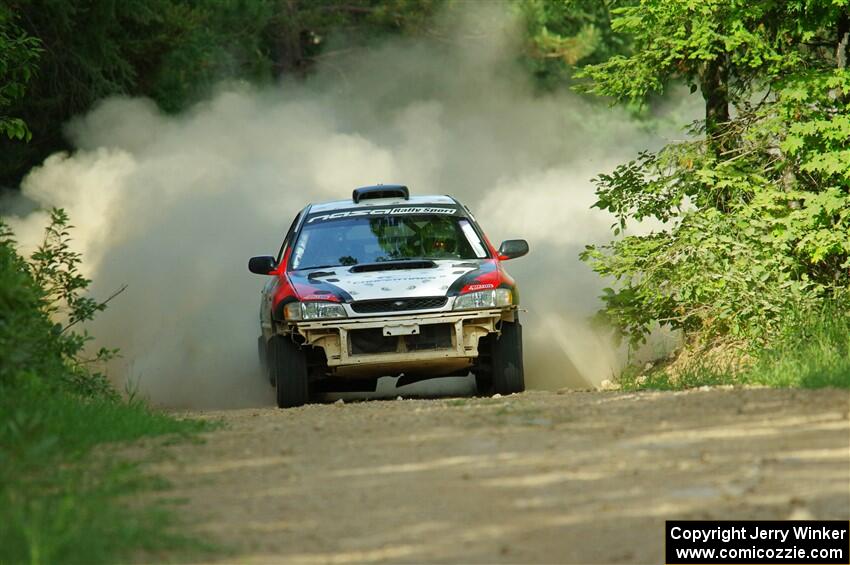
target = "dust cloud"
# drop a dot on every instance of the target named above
(173, 206)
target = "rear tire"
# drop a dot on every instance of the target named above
(288, 367)
(503, 372)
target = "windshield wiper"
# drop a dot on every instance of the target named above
(317, 267)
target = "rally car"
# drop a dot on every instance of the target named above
(387, 284)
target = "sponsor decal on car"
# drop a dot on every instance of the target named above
(472, 287)
(382, 212)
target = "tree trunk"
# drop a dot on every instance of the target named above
(843, 41)
(715, 92)
(714, 83)
(288, 57)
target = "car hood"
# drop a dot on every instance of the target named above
(445, 278)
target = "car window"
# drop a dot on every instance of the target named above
(353, 241)
(288, 239)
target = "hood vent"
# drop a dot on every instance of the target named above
(380, 191)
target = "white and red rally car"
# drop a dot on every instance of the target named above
(386, 284)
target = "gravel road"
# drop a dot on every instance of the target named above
(541, 477)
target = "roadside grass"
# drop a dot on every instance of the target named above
(58, 502)
(812, 354)
(66, 495)
(693, 376)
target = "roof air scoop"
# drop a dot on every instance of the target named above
(380, 191)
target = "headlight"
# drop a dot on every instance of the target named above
(314, 310)
(497, 298)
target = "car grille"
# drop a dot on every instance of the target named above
(372, 340)
(398, 304)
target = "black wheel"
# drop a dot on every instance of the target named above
(483, 369)
(289, 369)
(265, 360)
(501, 368)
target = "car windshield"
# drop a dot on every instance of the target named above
(354, 241)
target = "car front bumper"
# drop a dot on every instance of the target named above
(402, 343)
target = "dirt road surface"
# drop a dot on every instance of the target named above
(541, 477)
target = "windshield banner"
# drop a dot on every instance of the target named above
(388, 211)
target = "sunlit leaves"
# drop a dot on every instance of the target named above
(561, 35)
(758, 231)
(673, 40)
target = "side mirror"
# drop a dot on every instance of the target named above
(513, 248)
(262, 265)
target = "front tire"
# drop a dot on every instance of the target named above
(289, 370)
(504, 373)
(265, 360)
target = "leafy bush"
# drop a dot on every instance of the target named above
(753, 242)
(37, 293)
(19, 54)
(29, 343)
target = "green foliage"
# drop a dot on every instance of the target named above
(19, 54)
(681, 39)
(57, 503)
(565, 34)
(29, 342)
(812, 354)
(213, 40)
(55, 269)
(38, 293)
(90, 50)
(694, 376)
(173, 51)
(753, 216)
(205, 42)
(708, 276)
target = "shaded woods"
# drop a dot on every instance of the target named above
(58, 58)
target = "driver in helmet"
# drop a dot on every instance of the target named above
(440, 241)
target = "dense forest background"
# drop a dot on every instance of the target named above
(57, 58)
